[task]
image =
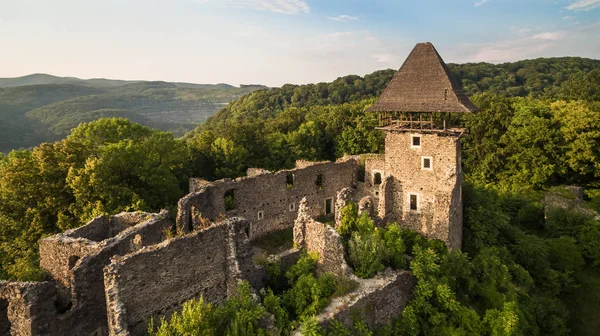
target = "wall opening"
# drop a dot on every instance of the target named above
(260, 215)
(415, 141)
(289, 181)
(292, 206)
(360, 173)
(229, 199)
(426, 163)
(446, 94)
(72, 261)
(4, 321)
(319, 182)
(63, 305)
(329, 206)
(377, 178)
(413, 202)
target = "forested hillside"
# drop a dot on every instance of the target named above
(519, 273)
(43, 108)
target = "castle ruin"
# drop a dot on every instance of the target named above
(110, 276)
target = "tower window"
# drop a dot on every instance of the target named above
(377, 178)
(261, 215)
(292, 206)
(413, 202)
(415, 141)
(426, 163)
(289, 181)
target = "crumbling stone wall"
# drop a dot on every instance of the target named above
(74, 260)
(157, 280)
(376, 301)
(322, 239)
(439, 195)
(268, 193)
(575, 204)
(27, 308)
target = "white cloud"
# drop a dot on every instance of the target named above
(516, 49)
(481, 3)
(583, 5)
(276, 6)
(343, 18)
(568, 17)
(552, 36)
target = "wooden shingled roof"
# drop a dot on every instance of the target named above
(423, 84)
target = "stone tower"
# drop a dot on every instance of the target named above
(419, 111)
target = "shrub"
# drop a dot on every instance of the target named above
(349, 216)
(305, 265)
(366, 253)
(589, 240)
(239, 315)
(395, 247)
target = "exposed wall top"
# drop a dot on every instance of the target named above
(423, 84)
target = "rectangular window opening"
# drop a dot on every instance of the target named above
(319, 182)
(415, 141)
(377, 178)
(289, 181)
(260, 215)
(413, 202)
(360, 173)
(229, 199)
(329, 206)
(426, 163)
(292, 207)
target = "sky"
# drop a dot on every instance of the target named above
(273, 42)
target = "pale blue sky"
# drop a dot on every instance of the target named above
(274, 42)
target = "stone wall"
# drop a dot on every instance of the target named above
(322, 239)
(27, 308)
(74, 262)
(376, 301)
(438, 189)
(157, 280)
(268, 193)
(575, 204)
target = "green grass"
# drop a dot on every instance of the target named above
(584, 304)
(276, 242)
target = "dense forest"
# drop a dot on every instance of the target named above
(518, 273)
(43, 108)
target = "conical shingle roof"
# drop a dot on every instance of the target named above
(423, 84)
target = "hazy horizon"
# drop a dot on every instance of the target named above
(274, 42)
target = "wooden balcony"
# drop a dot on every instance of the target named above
(421, 122)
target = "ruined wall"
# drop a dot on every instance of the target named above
(76, 263)
(27, 308)
(377, 301)
(270, 194)
(438, 189)
(322, 239)
(575, 204)
(157, 280)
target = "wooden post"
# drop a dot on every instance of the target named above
(421, 120)
(431, 120)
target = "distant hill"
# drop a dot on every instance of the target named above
(44, 79)
(39, 107)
